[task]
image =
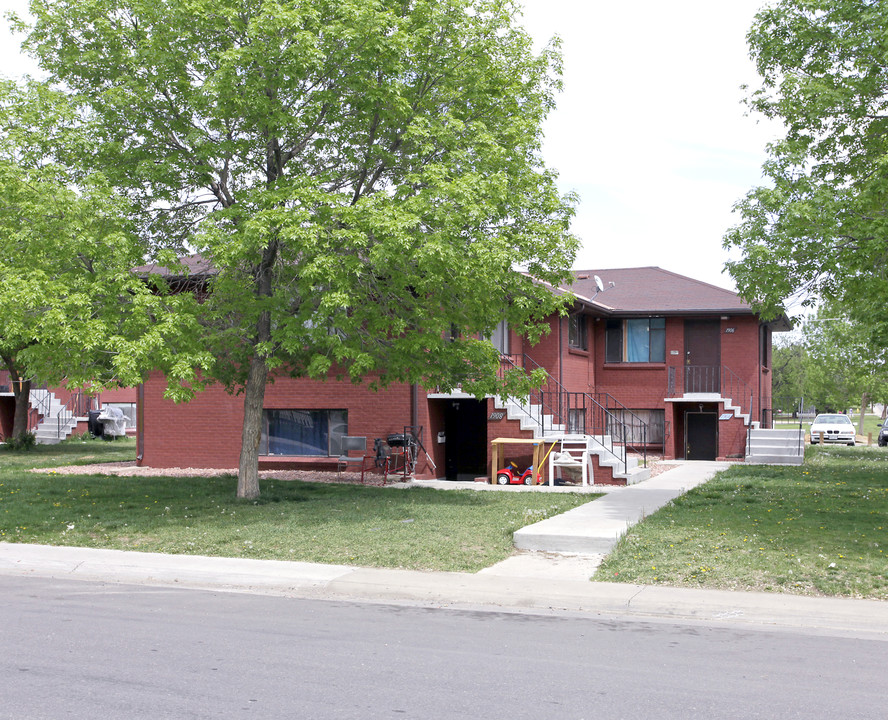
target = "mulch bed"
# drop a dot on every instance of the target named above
(130, 468)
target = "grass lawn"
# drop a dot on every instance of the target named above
(870, 425)
(817, 529)
(416, 528)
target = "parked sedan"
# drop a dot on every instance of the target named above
(833, 429)
(883, 435)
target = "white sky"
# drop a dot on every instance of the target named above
(649, 131)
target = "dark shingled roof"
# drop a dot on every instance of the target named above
(653, 291)
(195, 265)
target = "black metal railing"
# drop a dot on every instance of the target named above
(702, 378)
(739, 392)
(78, 405)
(715, 379)
(40, 401)
(582, 414)
(632, 430)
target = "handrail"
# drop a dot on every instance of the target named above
(78, 405)
(38, 399)
(732, 385)
(635, 423)
(716, 379)
(567, 408)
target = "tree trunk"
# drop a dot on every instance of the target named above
(254, 398)
(254, 390)
(863, 401)
(22, 393)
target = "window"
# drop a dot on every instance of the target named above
(654, 432)
(500, 338)
(576, 332)
(576, 421)
(128, 409)
(641, 340)
(303, 432)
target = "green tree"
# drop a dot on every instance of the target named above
(818, 228)
(788, 373)
(69, 302)
(841, 369)
(364, 175)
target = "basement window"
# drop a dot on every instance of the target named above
(636, 427)
(313, 433)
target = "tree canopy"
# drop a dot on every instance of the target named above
(833, 365)
(364, 176)
(817, 229)
(66, 253)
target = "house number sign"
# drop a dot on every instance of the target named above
(496, 415)
(729, 331)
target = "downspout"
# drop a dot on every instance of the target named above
(761, 357)
(140, 423)
(414, 405)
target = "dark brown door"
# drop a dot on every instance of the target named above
(701, 435)
(702, 356)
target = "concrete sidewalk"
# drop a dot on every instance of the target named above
(843, 617)
(588, 533)
(552, 573)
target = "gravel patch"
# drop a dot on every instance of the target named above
(130, 469)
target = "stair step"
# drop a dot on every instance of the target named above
(775, 459)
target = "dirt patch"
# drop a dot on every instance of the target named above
(130, 469)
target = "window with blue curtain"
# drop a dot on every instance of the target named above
(638, 340)
(303, 432)
(645, 340)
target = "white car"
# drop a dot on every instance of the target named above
(833, 429)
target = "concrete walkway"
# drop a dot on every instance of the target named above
(595, 527)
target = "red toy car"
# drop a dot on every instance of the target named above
(510, 476)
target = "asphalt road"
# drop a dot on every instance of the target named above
(75, 649)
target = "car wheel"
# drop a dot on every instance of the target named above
(502, 479)
(851, 444)
(528, 480)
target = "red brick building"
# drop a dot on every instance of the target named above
(646, 360)
(58, 412)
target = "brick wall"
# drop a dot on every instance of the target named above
(206, 432)
(646, 385)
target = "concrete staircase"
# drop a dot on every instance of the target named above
(531, 418)
(728, 403)
(776, 447)
(56, 424)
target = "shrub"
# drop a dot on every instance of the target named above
(25, 442)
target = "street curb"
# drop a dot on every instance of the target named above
(453, 590)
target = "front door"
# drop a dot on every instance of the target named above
(702, 356)
(701, 435)
(465, 432)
